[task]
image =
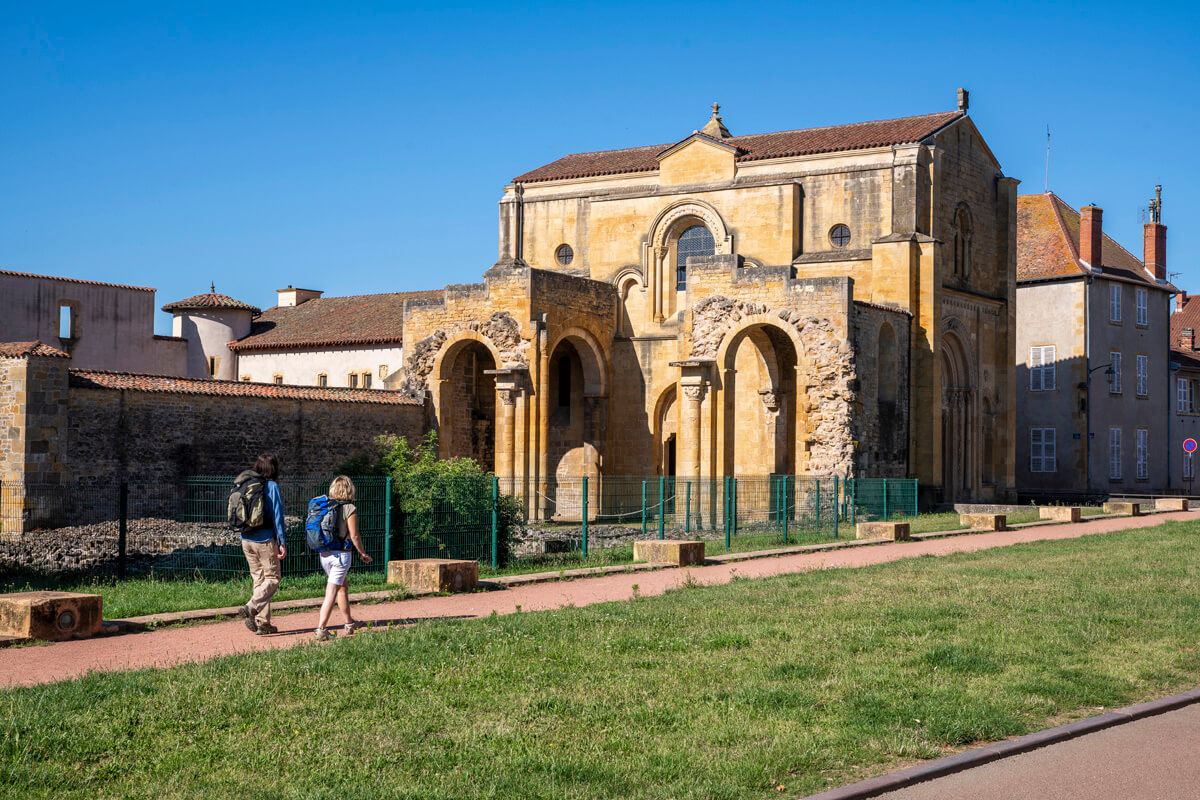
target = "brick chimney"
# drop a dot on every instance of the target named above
(1181, 300)
(1154, 239)
(1089, 235)
(1187, 339)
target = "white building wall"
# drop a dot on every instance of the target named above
(209, 334)
(301, 367)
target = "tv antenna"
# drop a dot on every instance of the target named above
(1047, 156)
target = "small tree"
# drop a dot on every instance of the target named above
(440, 506)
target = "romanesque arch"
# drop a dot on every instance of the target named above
(959, 420)
(465, 398)
(666, 432)
(578, 410)
(759, 391)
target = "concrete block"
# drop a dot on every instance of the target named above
(421, 575)
(50, 616)
(1171, 504)
(892, 531)
(669, 551)
(1120, 507)
(984, 522)
(1061, 513)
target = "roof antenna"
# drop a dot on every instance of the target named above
(212, 287)
(1047, 156)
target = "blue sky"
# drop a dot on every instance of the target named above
(356, 148)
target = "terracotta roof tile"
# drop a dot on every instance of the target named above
(96, 379)
(331, 321)
(75, 280)
(210, 300)
(1187, 317)
(26, 349)
(754, 147)
(1048, 245)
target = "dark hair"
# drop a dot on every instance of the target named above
(267, 465)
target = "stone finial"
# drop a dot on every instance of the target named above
(964, 99)
(715, 127)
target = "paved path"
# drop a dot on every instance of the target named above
(1149, 759)
(176, 645)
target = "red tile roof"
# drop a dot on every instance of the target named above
(75, 280)
(96, 379)
(27, 349)
(331, 321)
(210, 300)
(754, 147)
(1048, 245)
(1187, 317)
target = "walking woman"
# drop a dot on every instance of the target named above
(262, 540)
(336, 562)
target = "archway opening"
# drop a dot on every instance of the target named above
(958, 424)
(760, 408)
(572, 430)
(467, 424)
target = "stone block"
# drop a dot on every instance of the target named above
(420, 575)
(1061, 513)
(892, 531)
(50, 616)
(669, 551)
(1171, 504)
(984, 522)
(1122, 507)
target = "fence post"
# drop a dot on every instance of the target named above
(733, 521)
(836, 510)
(643, 509)
(725, 508)
(885, 503)
(495, 521)
(662, 506)
(853, 502)
(687, 512)
(122, 530)
(387, 521)
(585, 515)
(783, 509)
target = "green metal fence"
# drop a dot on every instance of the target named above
(881, 499)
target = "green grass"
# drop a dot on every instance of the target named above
(800, 681)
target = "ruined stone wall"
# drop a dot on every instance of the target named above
(115, 435)
(33, 394)
(881, 412)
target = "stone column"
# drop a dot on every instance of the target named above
(772, 400)
(507, 389)
(690, 432)
(660, 263)
(543, 424)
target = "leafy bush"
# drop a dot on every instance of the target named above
(441, 508)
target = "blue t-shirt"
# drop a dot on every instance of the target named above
(273, 511)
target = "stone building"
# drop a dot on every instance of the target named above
(829, 301)
(1184, 420)
(1093, 378)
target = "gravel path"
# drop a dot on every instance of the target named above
(31, 665)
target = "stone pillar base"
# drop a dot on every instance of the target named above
(50, 616)
(1171, 504)
(1061, 513)
(1117, 507)
(432, 575)
(892, 531)
(669, 551)
(984, 522)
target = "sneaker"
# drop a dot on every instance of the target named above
(324, 635)
(266, 629)
(351, 627)
(248, 618)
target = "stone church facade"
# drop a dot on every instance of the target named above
(830, 301)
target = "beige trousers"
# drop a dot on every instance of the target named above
(264, 569)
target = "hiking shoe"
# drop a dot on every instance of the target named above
(266, 629)
(324, 635)
(248, 618)
(351, 627)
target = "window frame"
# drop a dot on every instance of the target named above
(1114, 380)
(1114, 303)
(1142, 453)
(1143, 375)
(352, 380)
(1181, 395)
(1039, 368)
(1141, 299)
(1114, 454)
(1043, 450)
(366, 379)
(681, 256)
(323, 379)
(277, 379)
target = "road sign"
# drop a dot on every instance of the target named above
(1189, 445)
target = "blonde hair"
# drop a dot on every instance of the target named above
(342, 488)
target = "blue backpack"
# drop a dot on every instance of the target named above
(322, 528)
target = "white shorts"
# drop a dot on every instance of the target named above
(336, 566)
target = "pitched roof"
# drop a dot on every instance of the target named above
(331, 321)
(75, 280)
(754, 147)
(27, 349)
(1186, 317)
(210, 300)
(97, 379)
(1048, 245)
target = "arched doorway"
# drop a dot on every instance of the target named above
(576, 426)
(467, 404)
(760, 411)
(958, 423)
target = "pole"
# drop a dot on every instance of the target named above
(495, 521)
(585, 515)
(733, 520)
(662, 496)
(687, 514)
(885, 503)
(836, 500)
(643, 509)
(784, 508)
(725, 511)
(387, 521)
(853, 503)
(123, 530)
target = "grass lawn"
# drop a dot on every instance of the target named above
(798, 682)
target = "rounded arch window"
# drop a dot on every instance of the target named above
(695, 241)
(564, 254)
(839, 235)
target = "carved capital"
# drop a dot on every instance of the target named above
(507, 395)
(694, 393)
(660, 252)
(770, 399)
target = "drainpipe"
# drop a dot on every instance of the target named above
(1087, 366)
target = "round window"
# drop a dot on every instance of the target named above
(839, 235)
(564, 254)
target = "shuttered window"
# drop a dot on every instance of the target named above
(1114, 454)
(1114, 302)
(1143, 376)
(1041, 368)
(1114, 378)
(1189, 466)
(1181, 395)
(1143, 306)
(1143, 454)
(1042, 457)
